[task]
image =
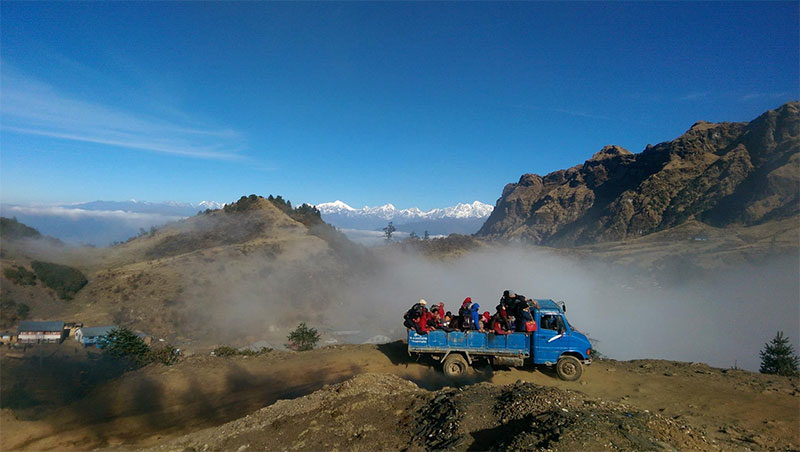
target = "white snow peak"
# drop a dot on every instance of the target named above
(389, 212)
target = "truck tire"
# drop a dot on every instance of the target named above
(569, 368)
(455, 365)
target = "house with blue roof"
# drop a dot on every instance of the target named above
(90, 336)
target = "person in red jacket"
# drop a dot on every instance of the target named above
(486, 322)
(422, 320)
(499, 325)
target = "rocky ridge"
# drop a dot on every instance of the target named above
(720, 174)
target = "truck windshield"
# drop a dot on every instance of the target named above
(552, 322)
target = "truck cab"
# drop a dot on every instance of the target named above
(555, 342)
(555, 339)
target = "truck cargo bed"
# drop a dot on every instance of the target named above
(473, 342)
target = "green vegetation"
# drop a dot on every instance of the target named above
(10, 228)
(12, 312)
(66, 281)
(226, 350)
(779, 358)
(123, 344)
(20, 275)
(303, 338)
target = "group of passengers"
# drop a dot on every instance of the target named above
(513, 314)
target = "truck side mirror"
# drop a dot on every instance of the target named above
(563, 306)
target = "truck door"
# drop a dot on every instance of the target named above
(550, 340)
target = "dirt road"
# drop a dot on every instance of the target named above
(157, 403)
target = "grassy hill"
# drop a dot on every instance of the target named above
(250, 270)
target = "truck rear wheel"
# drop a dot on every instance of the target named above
(569, 368)
(454, 365)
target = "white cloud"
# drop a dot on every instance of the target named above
(35, 108)
(78, 214)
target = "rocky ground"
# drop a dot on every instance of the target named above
(385, 412)
(370, 397)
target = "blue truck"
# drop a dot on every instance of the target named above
(555, 342)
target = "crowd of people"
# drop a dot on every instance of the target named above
(513, 314)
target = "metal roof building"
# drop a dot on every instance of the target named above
(33, 332)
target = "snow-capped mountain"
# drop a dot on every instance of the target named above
(389, 212)
(461, 218)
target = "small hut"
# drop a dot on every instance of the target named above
(90, 336)
(8, 337)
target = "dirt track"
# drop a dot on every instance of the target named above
(152, 405)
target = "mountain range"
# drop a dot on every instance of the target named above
(461, 218)
(728, 174)
(101, 223)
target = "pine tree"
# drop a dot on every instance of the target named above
(778, 357)
(388, 231)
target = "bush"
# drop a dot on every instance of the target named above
(165, 354)
(20, 275)
(779, 358)
(303, 338)
(226, 350)
(66, 281)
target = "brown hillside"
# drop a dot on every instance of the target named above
(310, 401)
(721, 174)
(247, 272)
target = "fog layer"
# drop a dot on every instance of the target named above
(722, 318)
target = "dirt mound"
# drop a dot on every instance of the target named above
(379, 412)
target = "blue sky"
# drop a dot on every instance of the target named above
(418, 104)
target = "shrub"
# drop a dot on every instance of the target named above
(778, 357)
(226, 350)
(303, 338)
(66, 281)
(165, 354)
(20, 275)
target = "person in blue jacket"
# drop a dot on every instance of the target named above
(476, 323)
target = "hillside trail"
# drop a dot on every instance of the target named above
(157, 403)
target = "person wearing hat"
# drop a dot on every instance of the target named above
(464, 315)
(416, 318)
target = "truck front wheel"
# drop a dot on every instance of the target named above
(569, 368)
(454, 365)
